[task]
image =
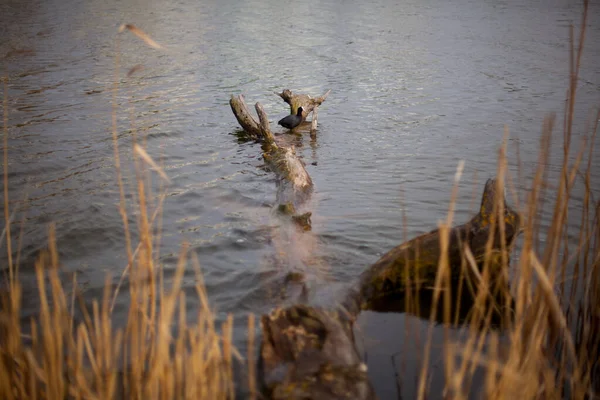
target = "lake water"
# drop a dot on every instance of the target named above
(416, 86)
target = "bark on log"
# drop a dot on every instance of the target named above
(243, 116)
(294, 185)
(265, 128)
(301, 100)
(418, 259)
(307, 352)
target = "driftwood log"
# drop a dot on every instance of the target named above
(294, 185)
(245, 118)
(309, 352)
(252, 126)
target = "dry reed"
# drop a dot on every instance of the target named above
(57, 357)
(543, 354)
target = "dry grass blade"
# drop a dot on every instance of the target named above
(473, 266)
(117, 157)
(441, 279)
(63, 358)
(250, 357)
(141, 34)
(6, 226)
(553, 303)
(142, 153)
(137, 249)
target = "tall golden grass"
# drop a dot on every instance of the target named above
(549, 348)
(57, 358)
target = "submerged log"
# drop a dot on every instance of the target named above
(308, 352)
(294, 185)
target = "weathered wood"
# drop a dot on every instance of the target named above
(416, 261)
(294, 185)
(309, 353)
(265, 128)
(243, 116)
(313, 125)
(256, 128)
(301, 100)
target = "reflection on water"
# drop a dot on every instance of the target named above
(416, 87)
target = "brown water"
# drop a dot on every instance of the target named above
(416, 87)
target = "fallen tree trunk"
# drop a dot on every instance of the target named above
(309, 352)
